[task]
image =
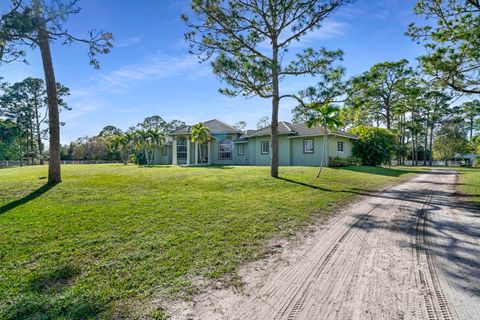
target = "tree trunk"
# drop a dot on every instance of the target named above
(431, 142)
(275, 104)
(32, 141)
(199, 146)
(471, 128)
(425, 148)
(388, 116)
(39, 135)
(20, 151)
(54, 173)
(323, 152)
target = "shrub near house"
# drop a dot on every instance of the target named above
(375, 146)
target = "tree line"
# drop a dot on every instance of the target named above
(249, 43)
(24, 117)
(137, 144)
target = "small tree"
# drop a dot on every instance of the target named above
(249, 41)
(263, 122)
(449, 141)
(200, 134)
(375, 146)
(36, 24)
(240, 125)
(327, 117)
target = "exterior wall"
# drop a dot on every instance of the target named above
(332, 147)
(236, 159)
(256, 158)
(299, 158)
(159, 158)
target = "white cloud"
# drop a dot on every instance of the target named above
(154, 67)
(127, 42)
(329, 30)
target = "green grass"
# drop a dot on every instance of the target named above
(470, 183)
(110, 239)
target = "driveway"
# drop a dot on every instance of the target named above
(409, 252)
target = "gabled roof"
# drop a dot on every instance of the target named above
(216, 127)
(297, 130)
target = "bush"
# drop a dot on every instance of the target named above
(374, 146)
(476, 162)
(344, 162)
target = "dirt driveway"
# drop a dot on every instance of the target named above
(409, 252)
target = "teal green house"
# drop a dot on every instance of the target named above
(298, 146)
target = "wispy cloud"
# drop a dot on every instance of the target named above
(127, 42)
(154, 67)
(329, 30)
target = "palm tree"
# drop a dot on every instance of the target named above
(122, 143)
(155, 139)
(326, 116)
(147, 140)
(200, 134)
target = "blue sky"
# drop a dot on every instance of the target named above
(150, 71)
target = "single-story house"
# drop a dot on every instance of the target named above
(298, 146)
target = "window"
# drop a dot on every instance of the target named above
(241, 149)
(164, 150)
(182, 149)
(225, 150)
(265, 147)
(340, 146)
(308, 146)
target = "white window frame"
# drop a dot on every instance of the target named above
(164, 151)
(340, 146)
(222, 152)
(262, 147)
(241, 149)
(182, 149)
(305, 146)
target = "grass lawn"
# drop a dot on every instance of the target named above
(110, 239)
(470, 183)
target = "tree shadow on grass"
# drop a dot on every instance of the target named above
(382, 170)
(29, 197)
(49, 296)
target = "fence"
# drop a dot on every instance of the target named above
(434, 163)
(4, 164)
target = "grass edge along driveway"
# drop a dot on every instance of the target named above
(110, 238)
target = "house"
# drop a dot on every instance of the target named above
(298, 146)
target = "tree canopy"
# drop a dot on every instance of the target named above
(452, 40)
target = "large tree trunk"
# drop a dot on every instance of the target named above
(54, 173)
(388, 116)
(275, 103)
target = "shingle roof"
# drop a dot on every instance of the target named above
(297, 130)
(215, 126)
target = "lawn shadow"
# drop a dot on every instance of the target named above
(210, 166)
(390, 172)
(29, 197)
(303, 184)
(49, 296)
